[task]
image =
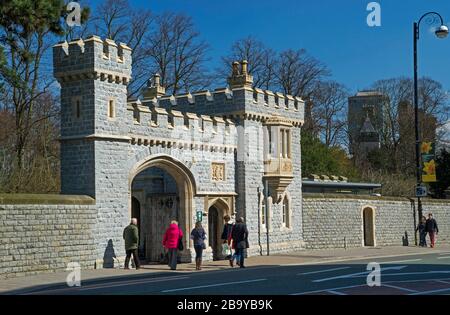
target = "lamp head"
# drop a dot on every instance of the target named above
(442, 31)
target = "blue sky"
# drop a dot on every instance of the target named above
(334, 32)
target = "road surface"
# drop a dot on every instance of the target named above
(419, 274)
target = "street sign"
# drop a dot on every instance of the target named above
(199, 216)
(421, 191)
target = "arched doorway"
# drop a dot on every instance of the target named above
(213, 229)
(136, 213)
(369, 226)
(216, 212)
(167, 189)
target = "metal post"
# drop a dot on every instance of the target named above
(416, 116)
(266, 201)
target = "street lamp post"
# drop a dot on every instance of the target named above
(441, 32)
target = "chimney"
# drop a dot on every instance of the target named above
(240, 79)
(154, 88)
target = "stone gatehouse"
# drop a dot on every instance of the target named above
(197, 155)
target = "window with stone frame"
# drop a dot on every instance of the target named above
(111, 109)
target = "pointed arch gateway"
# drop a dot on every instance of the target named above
(217, 208)
(186, 187)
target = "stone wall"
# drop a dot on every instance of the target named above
(336, 221)
(43, 233)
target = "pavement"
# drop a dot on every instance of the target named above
(404, 271)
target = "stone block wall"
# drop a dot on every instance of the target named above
(43, 233)
(333, 221)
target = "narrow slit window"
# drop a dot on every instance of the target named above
(78, 110)
(111, 109)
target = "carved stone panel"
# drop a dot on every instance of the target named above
(218, 172)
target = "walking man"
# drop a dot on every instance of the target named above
(240, 239)
(432, 229)
(131, 237)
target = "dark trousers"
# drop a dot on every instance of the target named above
(137, 263)
(198, 251)
(423, 239)
(240, 254)
(173, 257)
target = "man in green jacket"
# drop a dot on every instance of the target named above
(131, 237)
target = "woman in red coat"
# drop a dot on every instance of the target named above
(170, 242)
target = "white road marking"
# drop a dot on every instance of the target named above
(212, 285)
(104, 285)
(399, 261)
(336, 292)
(399, 288)
(363, 285)
(442, 281)
(364, 258)
(321, 271)
(328, 290)
(406, 274)
(132, 283)
(358, 274)
(431, 291)
(444, 257)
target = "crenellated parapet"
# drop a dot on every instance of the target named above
(244, 103)
(92, 58)
(157, 126)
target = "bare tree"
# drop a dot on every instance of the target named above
(297, 72)
(261, 61)
(329, 101)
(117, 20)
(178, 54)
(398, 130)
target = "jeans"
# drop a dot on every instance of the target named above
(240, 256)
(133, 252)
(423, 239)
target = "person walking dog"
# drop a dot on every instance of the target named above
(131, 237)
(171, 241)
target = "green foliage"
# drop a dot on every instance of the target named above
(443, 174)
(319, 159)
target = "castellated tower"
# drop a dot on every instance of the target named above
(93, 75)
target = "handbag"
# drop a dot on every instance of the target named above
(180, 244)
(226, 250)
